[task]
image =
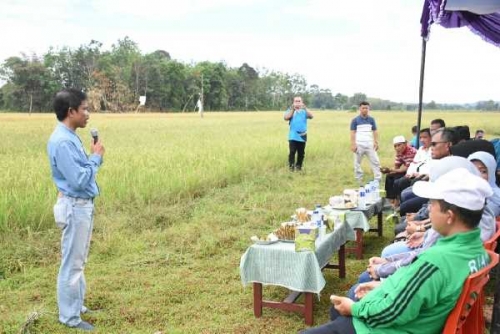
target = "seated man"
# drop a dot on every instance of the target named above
(419, 167)
(479, 134)
(417, 298)
(404, 156)
(442, 141)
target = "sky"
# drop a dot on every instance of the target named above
(367, 46)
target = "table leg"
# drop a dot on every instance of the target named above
(257, 300)
(359, 244)
(380, 223)
(342, 261)
(308, 312)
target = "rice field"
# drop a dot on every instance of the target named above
(180, 197)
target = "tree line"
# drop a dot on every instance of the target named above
(114, 79)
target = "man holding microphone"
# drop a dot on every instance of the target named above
(74, 174)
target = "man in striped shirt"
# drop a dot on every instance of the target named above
(404, 157)
(364, 141)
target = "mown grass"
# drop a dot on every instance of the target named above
(180, 198)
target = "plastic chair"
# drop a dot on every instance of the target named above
(466, 317)
(491, 243)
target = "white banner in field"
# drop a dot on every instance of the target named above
(142, 100)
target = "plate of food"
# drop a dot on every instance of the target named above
(346, 206)
(291, 241)
(286, 231)
(265, 240)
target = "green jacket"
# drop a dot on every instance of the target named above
(419, 297)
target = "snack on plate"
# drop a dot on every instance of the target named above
(336, 201)
(286, 231)
(350, 205)
(302, 216)
(269, 237)
(350, 198)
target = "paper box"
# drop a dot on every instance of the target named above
(305, 238)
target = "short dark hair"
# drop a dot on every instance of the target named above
(438, 121)
(463, 132)
(66, 99)
(414, 129)
(364, 103)
(479, 131)
(449, 135)
(426, 130)
(470, 218)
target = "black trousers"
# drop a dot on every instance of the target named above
(389, 185)
(401, 184)
(299, 148)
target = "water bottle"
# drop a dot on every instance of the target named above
(322, 232)
(361, 199)
(316, 218)
(367, 194)
(373, 192)
(320, 213)
(377, 190)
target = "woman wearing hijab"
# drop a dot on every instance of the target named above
(487, 165)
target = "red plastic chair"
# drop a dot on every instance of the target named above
(466, 317)
(491, 243)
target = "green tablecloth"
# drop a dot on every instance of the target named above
(358, 218)
(279, 263)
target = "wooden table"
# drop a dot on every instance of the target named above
(300, 272)
(374, 209)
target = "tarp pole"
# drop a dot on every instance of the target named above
(421, 90)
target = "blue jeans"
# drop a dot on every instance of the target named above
(75, 217)
(396, 248)
(363, 278)
(410, 202)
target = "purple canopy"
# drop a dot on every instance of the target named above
(481, 16)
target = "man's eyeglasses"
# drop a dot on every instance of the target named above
(434, 143)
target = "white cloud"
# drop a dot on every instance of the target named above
(161, 9)
(354, 46)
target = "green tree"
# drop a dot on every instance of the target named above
(74, 68)
(357, 98)
(431, 105)
(32, 83)
(341, 101)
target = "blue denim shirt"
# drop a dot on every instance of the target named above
(73, 171)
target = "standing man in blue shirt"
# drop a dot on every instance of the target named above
(364, 141)
(297, 115)
(74, 174)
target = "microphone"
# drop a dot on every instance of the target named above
(95, 135)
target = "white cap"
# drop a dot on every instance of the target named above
(398, 140)
(459, 187)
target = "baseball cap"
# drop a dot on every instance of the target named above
(439, 167)
(459, 187)
(398, 140)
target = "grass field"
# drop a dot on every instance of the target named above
(181, 197)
